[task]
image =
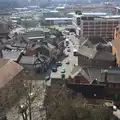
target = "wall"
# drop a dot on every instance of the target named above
(115, 52)
(80, 80)
(97, 90)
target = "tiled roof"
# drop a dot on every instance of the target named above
(102, 55)
(76, 70)
(88, 52)
(95, 40)
(8, 70)
(92, 53)
(95, 73)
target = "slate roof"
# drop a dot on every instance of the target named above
(78, 70)
(20, 45)
(90, 74)
(28, 60)
(102, 55)
(88, 52)
(95, 40)
(92, 53)
(87, 43)
(11, 55)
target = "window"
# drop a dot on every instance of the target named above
(84, 18)
(78, 21)
(90, 18)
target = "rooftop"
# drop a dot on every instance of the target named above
(89, 52)
(8, 70)
(58, 18)
(95, 73)
(28, 60)
(92, 53)
(91, 14)
(11, 55)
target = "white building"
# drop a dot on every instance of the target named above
(58, 21)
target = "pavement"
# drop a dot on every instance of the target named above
(73, 44)
(117, 114)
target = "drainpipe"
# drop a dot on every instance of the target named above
(106, 82)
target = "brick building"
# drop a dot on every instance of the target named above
(96, 25)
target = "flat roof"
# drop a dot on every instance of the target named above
(91, 14)
(95, 13)
(112, 16)
(54, 11)
(58, 18)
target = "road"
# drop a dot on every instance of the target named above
(73, 44)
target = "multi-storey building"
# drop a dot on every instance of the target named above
(96, 25)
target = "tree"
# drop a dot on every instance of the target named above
(65, 106)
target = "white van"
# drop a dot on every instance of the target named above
(75, 52)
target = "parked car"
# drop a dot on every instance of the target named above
(54, 69)
(59, 63)
(67, 62)
(68, 50)
(63, 70)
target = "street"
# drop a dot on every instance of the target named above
(73, 44)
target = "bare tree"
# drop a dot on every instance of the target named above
(65, 106)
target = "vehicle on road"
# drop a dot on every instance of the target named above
(68, 50)
(54, 69)
(75, 52)
(67, 42)
(67, 62)
(59, 63)
(114, 108)
(66, 55)
(63, 70)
